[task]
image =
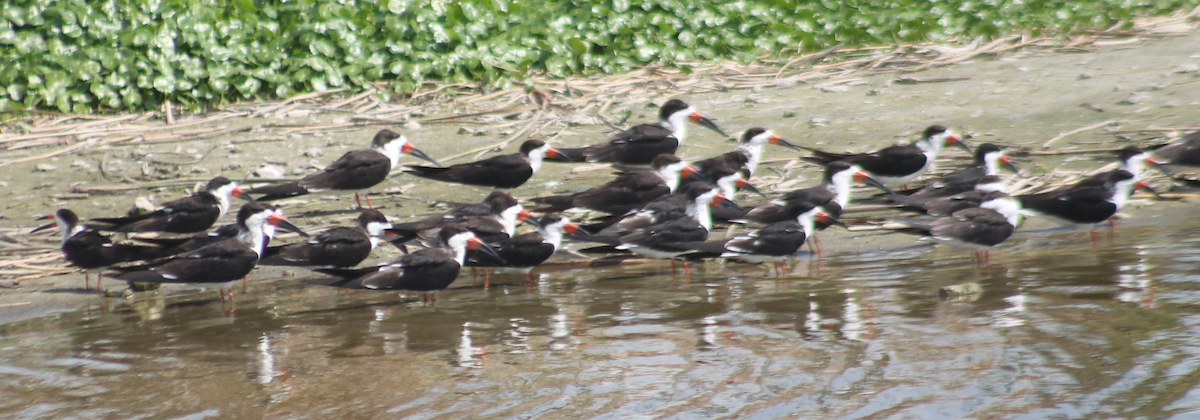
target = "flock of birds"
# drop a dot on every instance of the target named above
(664, 211)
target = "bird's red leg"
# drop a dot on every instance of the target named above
(245, 280)
(99, 278)
(673, 269)
(87, 281)
(357, 201)
(367, 196)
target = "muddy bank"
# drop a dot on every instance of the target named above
(1024, 98)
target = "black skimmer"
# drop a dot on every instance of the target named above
(777, 241)
(833, 195)
(168, 246)
(631, 189)
(668, 207)
(897, 165)
(427, 270)
(662, 241)
(1130, 159)
(190, 214)
(506, 171)
(356, 171)
(86, 248)
(989, 158)
(641, 143)
(493, 220)
(524, 252)
(975, 229)
(1183, 152)
(945, 206)
(220, 262)
(774, 243)
(1085, 203)
(341, 246)
(747, 155)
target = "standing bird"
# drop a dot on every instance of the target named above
(1130, 159)
(221, 262)
(746, 156)
(774, 243)
(662, 241)
(989, 158)
(663, 209)
(641, 143)
(86, 248)
(631, 189)
(832, 195)
(975, 229)
(524, 252)
(945, 206)
(190, 214)
(897, 165)
(505, 171)
(493, 220)
(427, 270)
(341, 246)
(356, 171)
(1085, 203)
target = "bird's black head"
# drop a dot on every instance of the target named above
(250, 209)
(984, 150)
(664, 160)
(551, 218)
(834, 168)
(529, 145)
(670, 108)
(934, 130)
(450, 231)
(368, 216)
(752, 133)
(66, 217)
(217, 183)
(384, 137)
(499, 201)
(695, 189)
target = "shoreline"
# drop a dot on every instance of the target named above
(1024, 99)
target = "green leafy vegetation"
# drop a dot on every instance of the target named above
(84, 56)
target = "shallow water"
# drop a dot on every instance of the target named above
(1063, 328)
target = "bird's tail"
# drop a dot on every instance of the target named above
(554, 203)
(575, 155)
(278, 191)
